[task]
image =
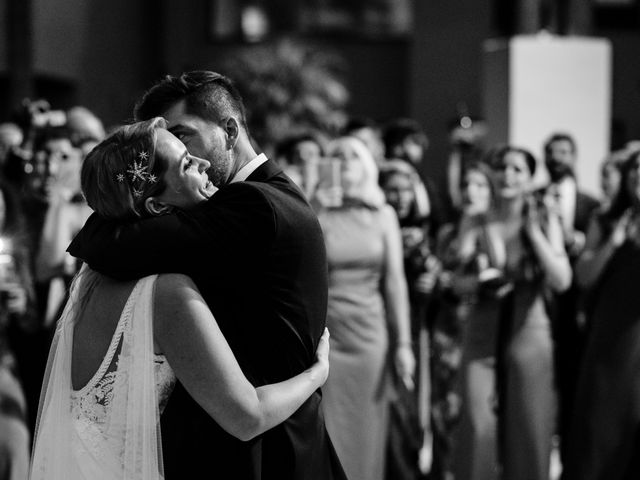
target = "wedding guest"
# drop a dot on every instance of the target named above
(603, 439)
(535, 261)
(299, 156)
(53, 166)
(63, 150)
(85, 127)
(17, 317)
(368, 311)
(466, 146)
(410, 438)
(459, 250)
(64, 215)
(610, 177)
(120, 345)
(15, 438)
(472, 244)
(575, 208)
(404, 139)
(55, 211)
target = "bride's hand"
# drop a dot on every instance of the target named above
(322, 357)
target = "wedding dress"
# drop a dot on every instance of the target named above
(110, 428)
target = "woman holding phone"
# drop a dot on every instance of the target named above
(368, 309)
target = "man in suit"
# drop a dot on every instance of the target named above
(575, 208)
(256, 252)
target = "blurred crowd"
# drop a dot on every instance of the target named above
(41, 210)
(501, 316)
(471, 320)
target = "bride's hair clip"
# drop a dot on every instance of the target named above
(138, 174)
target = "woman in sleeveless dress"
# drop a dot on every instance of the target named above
(119, 346)
(368, 312)
(534, 259)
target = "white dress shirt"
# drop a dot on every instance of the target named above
(249, 168)
(567, 191)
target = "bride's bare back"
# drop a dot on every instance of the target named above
(95, 328)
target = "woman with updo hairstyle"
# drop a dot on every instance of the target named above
(368, 311)
(603, 439)
(124, 197)
(532, 259)
(120, 345)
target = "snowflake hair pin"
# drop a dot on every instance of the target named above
(137, 193)
(138, 172)
(120, 178)
(144, 155)
(152, 178)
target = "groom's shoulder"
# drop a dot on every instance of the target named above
(236, 206)
(270, 193)
(238, 195)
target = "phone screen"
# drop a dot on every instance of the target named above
(329, 173)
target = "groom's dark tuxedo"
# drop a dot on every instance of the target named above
(256, 252)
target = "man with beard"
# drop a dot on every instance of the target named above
(575, 208)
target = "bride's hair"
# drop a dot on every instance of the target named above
(122, 171)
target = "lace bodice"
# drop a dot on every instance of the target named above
(92, 406)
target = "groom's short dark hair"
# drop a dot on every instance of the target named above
(209, 95)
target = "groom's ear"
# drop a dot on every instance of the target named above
(232, 129)
(156, 207)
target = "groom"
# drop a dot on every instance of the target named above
(256, 252)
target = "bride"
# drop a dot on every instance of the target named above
(119, 346)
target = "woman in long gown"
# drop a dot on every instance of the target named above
(535, 261)
(368, 313)
(119, 346)
(604, 439)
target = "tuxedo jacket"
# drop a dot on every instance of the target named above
(256, 252)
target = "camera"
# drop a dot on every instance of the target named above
(40, 114)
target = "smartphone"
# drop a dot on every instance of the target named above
(330, 179)
(329, 173)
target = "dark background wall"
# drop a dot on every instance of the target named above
(445, 68)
